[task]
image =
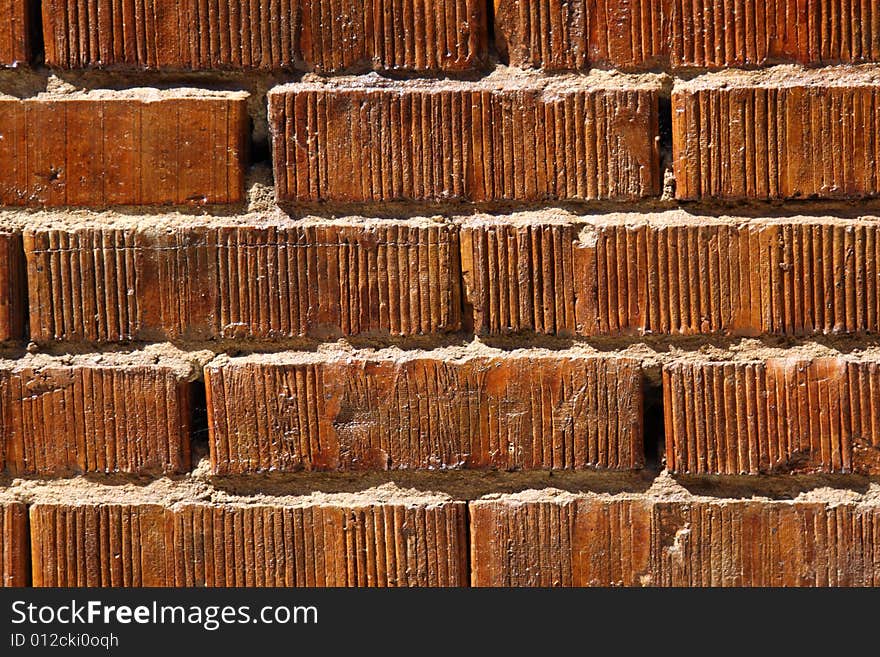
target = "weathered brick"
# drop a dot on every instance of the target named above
(16, 24)
(415, 543)
(786, 137)
(408, 35)
(683, 34)
(250, 281)
(576, 34)
(772, 416)
(13, 544)
(568, 541)
(592, 541)
(13, 287)
(527, 140)
(760, 543)
(712, 33)
(672, 277)
(428, 411)
(123, 148)
(58, 419)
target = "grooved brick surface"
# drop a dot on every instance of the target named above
(191, 544)
(684, 34)
(711, 33)
(196, 282)
(411, 35)
(349, 143)
(783, 278)
(576, 34)
(96, 151)
(61, 420)
(701, 543)
(781, 415)
(13, 544)
(13, 287)
(15, 31)
(424, 412)
(776, 141)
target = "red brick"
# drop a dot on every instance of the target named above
(684, 34)
(13, 544)
(407, 35)
(672, 277)
(13, 287)
(576, 34)
(245, 282)
(62, 419)
(353, 141)
(405, 543)
(713, 34)
(16, 23)
(785, 138)
(122, 148)
(427, 411)
(778, 415)
(594, 541)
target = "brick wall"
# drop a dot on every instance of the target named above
(466, 293)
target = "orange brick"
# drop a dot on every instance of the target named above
(576, 34)
(407, 543)
(13, 287)
(13, 544)
(353, 141)
(408, 35)
(431, 411)
(195, 282)
(122, 148)
(593, 541)
(60, 419)
(778, 415)
(684, 34)
(568, 541)
(787, 137)
(17, 18)
(715, 33)
(673, 277)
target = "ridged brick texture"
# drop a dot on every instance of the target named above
(793, 278)
(575, 34)
(712, 34)
(388, 544)
(61, 420)
(776, 141)
(196, 282)
(685, 34)
(632, 542)
(95, 151)
(425, 412)
(14, 557)
(463, 142)
(411, 35)
(780, 415)
(13, 287)
(16, 23)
